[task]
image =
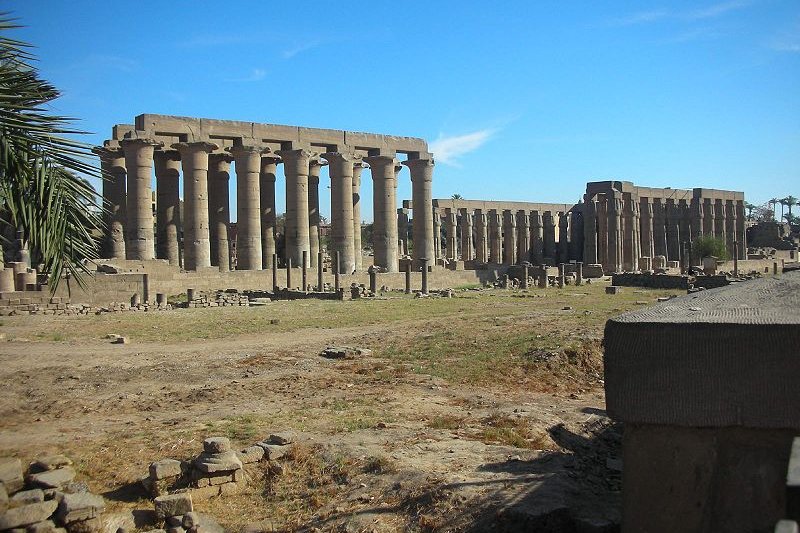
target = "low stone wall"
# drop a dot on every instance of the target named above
(651, 281)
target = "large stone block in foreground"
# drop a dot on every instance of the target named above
(706, 385)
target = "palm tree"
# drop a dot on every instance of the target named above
(773, 202)
(749, 207)
(457, 196)
(790, 201)
(43, 196)
(782, 201)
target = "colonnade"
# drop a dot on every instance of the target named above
(206, 227)
(509, 236)
(624, 231)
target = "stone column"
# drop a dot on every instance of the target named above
(741, 229)
(730, 226)
(314, 167)
(646, 227)
(495, 237)
(196, 239)
(266, 190)
(590, 231)
(563, 237)
(342, 225)
(384, 206)
(421, 178)
(549, 237)
(112, 163)
(450, 230)
(602, 229)
(628, 260)
(719, 219)
(139, 165)
(576, 228)
(537, 238)
(659, 228)
(248, 213)
(358, 168)
(673, 231)
(696, 207)
(615, 233)
(466, 235)
(481, 237)
(708, 216)
(219, 174)
(637, 235)
(168, 206)
(509, 238)
(437, 234)
(523, 237)
(295, 168)
(402, 230)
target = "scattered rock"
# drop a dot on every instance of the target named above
(282, 438)
(80, 507)
(49, 462)
(166, 468)
(53, 479)
(27, 514)
(11, 474)
(173, 505)
(217, 445)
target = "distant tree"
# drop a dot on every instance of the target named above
(457, 196)
(790, 202)
(749, 207)
(709, 246)
(783, 202)
(774, 203)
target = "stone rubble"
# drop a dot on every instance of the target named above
(46, 499)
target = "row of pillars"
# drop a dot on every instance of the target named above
(206, 218)
(621, 230)
(507, 237)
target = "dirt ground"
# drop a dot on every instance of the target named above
(479, 412)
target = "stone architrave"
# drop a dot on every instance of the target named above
(247, 159)
(537, 238)
(523, 236)
(140, 243)
(422, 202)
(168, 205)
(112, 163)
(340, 168)
(467, 250)
(219, 209)
(358, 168)
(481, 237)
(509, 238)
(267, 177)
(495, 237)
(314, 167)
(295, 168)
(452, 239)
(384, 202)
(196, 239)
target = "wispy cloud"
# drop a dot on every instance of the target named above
(291, 52)
(256, 74)
(104, 61)
(787, 40)
(448, 149)
(705, 13)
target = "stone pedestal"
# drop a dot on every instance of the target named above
(139, 164)
(706, 395)
(196, 239)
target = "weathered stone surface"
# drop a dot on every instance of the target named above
(272, 451)
(25, 497)
(27, 514)
(93, 525)
(282, 438)
(3, 498)
(204, 493)
(50, 462)
(174, 521)
(221, 480)
(191, 520)
(78, 507)
(11, 474)
(231, 488)
(173, 505)
(166, 468)
(176, 529)
(218, 462)
(53, 479)
(253, 454)
(46, 526)
(216, 445)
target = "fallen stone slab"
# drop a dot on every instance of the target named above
(46, 526)
(345, 352)
(50, 462)
(80, 507)
(173, 505)
(27, 514)
(11, 474)
(25, 497)
(53, 479)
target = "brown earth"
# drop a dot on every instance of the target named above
(480, 412)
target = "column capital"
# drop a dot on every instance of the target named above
(380, 160)
(246, 150)
(220, 157)
(167, 155)
(195, 146)
(342, 157)
(108, 152)
(139, 143)
(420, 168)
(295, 154)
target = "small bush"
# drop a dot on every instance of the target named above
(709, 246)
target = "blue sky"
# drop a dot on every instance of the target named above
(520, 100)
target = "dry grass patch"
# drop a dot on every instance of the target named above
(516, 432)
